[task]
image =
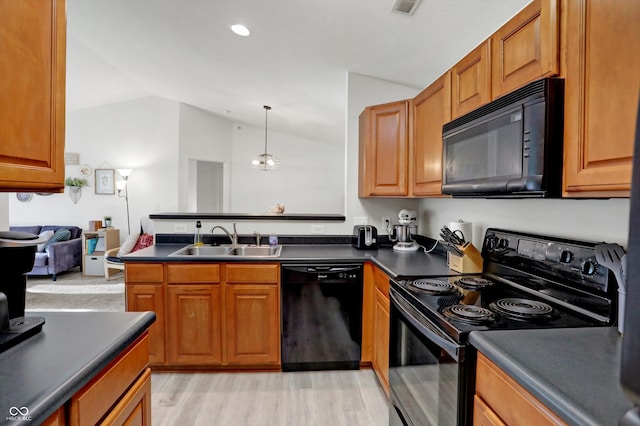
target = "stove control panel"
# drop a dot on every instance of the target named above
(566, 261)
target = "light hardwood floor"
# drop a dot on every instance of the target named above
(319, 398)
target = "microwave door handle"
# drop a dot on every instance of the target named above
(428, 330)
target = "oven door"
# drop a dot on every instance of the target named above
(427, 374)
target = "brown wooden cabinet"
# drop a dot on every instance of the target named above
(145, 292)
(194, 313)
(252, 303)
(209, 315)
(119, 394)
(431, 109)
(381, 319)
(526, 48)
(601, 96)
(471, 81)
(501, 400)
(32, 105)
(383, 152)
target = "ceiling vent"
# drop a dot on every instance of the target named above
(406, 7)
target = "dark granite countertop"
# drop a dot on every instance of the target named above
(574, 372)
(46, 370)
(394, 263)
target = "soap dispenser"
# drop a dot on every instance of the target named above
(197, 235)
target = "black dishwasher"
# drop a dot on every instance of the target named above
(321, 317)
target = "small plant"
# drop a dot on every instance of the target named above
(79, 182)
(107, 218)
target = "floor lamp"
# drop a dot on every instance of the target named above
(122, 187)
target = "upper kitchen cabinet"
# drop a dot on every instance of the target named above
(431, 109)
(601, 96)
(526, 48)
(471, 81)
(32, 100)
(383, 150)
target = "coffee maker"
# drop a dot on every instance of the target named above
(404, 232)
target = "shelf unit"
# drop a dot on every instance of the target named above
(93, 263)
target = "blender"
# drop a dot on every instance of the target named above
(404, 231)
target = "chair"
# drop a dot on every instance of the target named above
(112, 263)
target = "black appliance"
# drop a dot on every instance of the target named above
(17, 253)
(630, 363)
(510, 147)
(321, 317)
(365, 237)
(528, 282)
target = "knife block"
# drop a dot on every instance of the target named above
(469, 263)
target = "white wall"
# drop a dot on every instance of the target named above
(4, 212)
(589, 220)
(139, 134)
(202, 136)
(309, 178)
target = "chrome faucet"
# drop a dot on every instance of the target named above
(258, 238)
(233, 237)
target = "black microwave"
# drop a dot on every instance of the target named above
(510, 147)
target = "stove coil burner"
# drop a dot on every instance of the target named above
(523, 309)
(473, 283)
(470, 314)
(432, 286)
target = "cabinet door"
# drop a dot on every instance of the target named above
(381, 320)
(32, 105)
(471, 81)
(150, 297)
(431, 110)
(134, 409)
(383, 150)
(601, 96)
(483, 415)
(526, 48)
(194, 322)
(252, 324)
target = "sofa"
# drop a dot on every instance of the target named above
(58, 256)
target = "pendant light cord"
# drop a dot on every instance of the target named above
(266, 117)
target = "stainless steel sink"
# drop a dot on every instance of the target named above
(255, 251)
(227, 251)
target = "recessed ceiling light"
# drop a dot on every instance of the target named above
(241, 30)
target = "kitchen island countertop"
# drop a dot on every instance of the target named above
(574, 372)
(43, 372)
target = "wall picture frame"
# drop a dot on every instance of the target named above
(105, 181)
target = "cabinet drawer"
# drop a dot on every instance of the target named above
(262, 274)
(93, 401)
(144, 273)
(193, 273)
(94, 265)
(509, 400)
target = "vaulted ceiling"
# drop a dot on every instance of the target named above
(295, 60)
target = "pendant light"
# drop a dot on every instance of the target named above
(265, 161)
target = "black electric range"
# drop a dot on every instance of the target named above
(528, 282)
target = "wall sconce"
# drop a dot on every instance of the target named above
(121, 185)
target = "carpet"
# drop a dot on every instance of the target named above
(73, 292)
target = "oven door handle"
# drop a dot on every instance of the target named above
(427, 329)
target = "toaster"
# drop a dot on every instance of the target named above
(365, 237)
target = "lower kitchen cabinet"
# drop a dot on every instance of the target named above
(252, 304)
(145, 292)
(194, 314)
(209, 315)
(500, 400)
(120, 394)
(381, 320)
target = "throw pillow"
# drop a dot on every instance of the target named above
(128, 244)
(144, 241)
(46, 235)
(62, 234)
